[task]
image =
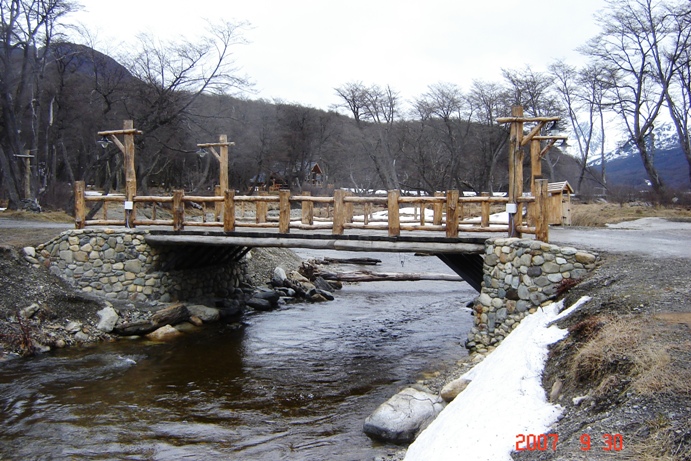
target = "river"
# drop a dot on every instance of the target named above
(292, 384)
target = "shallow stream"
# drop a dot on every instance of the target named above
(292, 384)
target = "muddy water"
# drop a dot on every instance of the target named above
(293, 384)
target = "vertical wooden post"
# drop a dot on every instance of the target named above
(438, 209)
(515, 170)
(284, 211)
(394, 213)
(452, 213)
(229, 210)
(535, 174)
(178, 210)
(307, 210)
(218, 206)
(262, 209)
(27, 174)
(350, 208)
(535, 165)
(367, 212)
(484, 221)
(541, 212)
(223, 162)
(79, 205)
(423, 208)
(339, 212)
(130, 171)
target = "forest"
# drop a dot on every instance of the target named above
(57, 94)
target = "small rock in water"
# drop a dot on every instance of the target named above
(163, 333)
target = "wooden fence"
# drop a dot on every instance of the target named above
(279, 211)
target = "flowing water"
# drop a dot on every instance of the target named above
(292, 384)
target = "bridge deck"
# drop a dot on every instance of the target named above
(351, 242)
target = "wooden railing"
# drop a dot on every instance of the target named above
(450, 212)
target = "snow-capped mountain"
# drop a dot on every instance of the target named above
(665, 137)
(625, 167)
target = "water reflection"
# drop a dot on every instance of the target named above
(295, 383)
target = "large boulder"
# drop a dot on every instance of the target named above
(403, 416)
(205, 313)
(108, 317)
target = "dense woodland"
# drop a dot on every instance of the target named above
(55, 95)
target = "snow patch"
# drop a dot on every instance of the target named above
(505, 397)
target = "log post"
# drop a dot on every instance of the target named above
(307, 210)
(535, 174)
(394, 213)
(178, 210)
(452, 213)
(229, 211)
(339, 212)
(350, 208)
(515, 170)
(541, 212)
(262, 209)
(438, 209)
(423, 208)
(484, 221)
(218, 206)
(79, 205)
(284, 211)
(367, 212)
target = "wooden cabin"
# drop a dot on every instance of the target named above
(315, 176)
(559, 203)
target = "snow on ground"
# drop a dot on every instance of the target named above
(410, 214)
(505, 397)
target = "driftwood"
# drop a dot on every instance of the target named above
(359, 261)
(367, 276)
(171, 315)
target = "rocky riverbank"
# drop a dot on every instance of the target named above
(39, 311)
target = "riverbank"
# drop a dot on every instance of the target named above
(623, 370)
(625, 367)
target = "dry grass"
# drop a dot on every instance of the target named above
(599, 214)
(662, 443)
(628, 352)
(46, 216)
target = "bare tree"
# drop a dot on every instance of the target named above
(172, 76)
(375, 111)
(489, 101)
(534, 91)
(27, 29)
(676, 59)
(627, 47)
(582, 92)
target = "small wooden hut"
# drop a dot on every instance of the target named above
(559, 203)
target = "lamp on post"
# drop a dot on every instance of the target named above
(222, 158)
(127, 149)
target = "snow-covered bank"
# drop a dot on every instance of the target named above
(504, 399)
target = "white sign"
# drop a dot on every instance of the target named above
(129, 205)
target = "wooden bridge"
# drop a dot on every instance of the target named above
(449, 225)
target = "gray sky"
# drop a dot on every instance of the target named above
(300, 50)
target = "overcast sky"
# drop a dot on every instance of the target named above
(300, 50)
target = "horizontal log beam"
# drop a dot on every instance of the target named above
(320, 244)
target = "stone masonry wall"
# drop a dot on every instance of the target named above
(520, 276)
(119, 264)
